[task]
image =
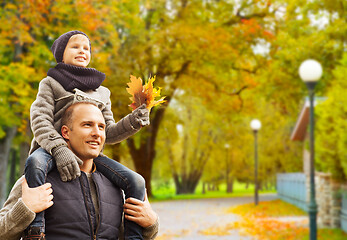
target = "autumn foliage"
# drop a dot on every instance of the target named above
(240, 58)
(141, 94)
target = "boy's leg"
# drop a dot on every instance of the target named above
(132, 183)
(37, 166)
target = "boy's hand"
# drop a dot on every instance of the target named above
(141, 115)
(67, 163)
(37, 199)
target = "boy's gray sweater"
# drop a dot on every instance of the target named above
(52, 100)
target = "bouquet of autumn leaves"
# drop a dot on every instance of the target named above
(141, 94)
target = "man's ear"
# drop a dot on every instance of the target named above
(65, 132)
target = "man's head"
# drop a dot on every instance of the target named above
(72, 48)
(83, 128)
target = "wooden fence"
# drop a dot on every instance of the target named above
(344, 212)
(291, 187)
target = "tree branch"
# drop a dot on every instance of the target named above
(238, 17)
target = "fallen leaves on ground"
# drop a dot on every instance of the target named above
(275, 208)
(272, 220)
(216, 231)
(264, 222)
(169, 235)
(271, 229)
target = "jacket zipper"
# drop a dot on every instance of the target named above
(99, 215)
(85, 202)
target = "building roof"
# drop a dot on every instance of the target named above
(299, 132)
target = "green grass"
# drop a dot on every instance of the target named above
(162, 192)
(331, 234)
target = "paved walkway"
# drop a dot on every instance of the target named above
(185, 219)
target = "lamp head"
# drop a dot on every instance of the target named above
(310, 70)
(255, 124)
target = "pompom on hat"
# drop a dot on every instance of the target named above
(59, 45)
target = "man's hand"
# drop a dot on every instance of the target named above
(139, 212)
(67, 163)
(37, 199)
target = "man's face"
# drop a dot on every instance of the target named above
(77, 51)
(86, 137)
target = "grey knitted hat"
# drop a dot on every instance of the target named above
(60, 43)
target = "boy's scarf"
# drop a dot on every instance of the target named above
(71, 77)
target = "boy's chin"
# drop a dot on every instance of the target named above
(80, 65)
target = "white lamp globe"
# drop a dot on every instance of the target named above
(255, 124)
(310, 70)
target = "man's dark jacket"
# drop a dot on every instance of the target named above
(73, 216)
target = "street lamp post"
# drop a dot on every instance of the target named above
(227, 165)
(255, 125)
(310, 71)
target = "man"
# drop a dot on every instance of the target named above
(89, 207)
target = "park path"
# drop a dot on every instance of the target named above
(185, 219)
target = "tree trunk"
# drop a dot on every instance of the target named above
(5, 147)
(260, 186)
(143, 161)
(143, 156)
(13, 174)
(190, 176)
(24, 147)
(266, 185)
(230, 185)
(187, 186)
(23, 155)
(115, 153)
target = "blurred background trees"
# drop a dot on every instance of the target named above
(332, 125)
(220, 63)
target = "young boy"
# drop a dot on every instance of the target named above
(68, 82)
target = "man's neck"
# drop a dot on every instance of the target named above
(87, 166)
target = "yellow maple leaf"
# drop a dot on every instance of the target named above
(141, 94)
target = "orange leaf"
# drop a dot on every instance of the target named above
(143, 94)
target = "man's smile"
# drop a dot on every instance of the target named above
(93, 143)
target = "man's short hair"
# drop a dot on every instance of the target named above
(66, 119)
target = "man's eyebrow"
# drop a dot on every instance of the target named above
(86, 121)
(93, 122)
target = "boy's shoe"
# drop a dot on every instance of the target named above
(33, 233)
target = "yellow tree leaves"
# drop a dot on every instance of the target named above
(141, 94)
